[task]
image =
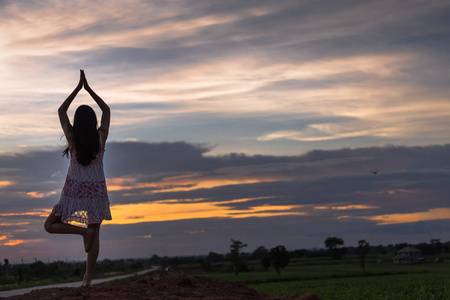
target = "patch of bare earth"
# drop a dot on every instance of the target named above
(161, 287)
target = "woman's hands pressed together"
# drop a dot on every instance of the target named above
(84, 80)
(81, 81)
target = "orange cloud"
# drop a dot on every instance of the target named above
(43, 213)
(189, 185)
(173, 210)
(432, 214)
(14, 224)
(180, 183)
(18, 242)
(118, 184)
(13, 242)
(40, 195)
(5, 183)
(346, 207)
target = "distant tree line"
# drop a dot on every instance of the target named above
(278, 257)
(335, 248)
(62, 271)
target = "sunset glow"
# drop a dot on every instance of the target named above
(346, 207)
(40, 195)
(12, 242)
(169, 211)
(262, 121)
(15, 242)
(5, 183)
(178, 184)
(43, 213)
(14, 224)
(430, 215)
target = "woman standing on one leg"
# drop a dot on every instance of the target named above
(84, 197)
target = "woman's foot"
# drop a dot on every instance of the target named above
(88, 236)
(86, 282)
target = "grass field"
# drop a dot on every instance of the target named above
(336, 279)
(344, 279)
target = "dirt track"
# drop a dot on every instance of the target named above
(158, 286)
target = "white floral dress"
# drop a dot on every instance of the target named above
(84, 197)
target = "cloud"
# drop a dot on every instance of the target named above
(176, 65)
(252, 89)
(432, 214)
(178, 183)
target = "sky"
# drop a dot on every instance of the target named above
(258, 121)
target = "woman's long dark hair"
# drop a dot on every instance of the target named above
(85, 135)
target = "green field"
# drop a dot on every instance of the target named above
(329, 279)
(40, 273)
(343, 279)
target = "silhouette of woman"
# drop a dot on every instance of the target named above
(84, 197)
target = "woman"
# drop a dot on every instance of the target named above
(84, 196)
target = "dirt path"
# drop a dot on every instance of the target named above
(68, 284)
(158, 286)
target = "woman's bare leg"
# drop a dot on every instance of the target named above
(53, 224)
(92, 255)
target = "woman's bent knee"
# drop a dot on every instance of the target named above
(48, 226)
(51, 219)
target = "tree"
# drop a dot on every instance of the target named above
(20, 277)
(280, 258)
(235, 255)
(260, 252)
(400, 246)
(214, 257)
(333, 243)
(363, 249)
(427, 249)
(266, 262)
(6, 266)
(155, 260)
(437, 245)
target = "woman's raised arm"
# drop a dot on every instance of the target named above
(62, 110)
(106, 113)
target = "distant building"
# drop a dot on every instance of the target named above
(408, 255)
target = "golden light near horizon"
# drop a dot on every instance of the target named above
(399, 218)
(14, 224)
(14, 242)
(41, 194)
(42, 213)
(180, 183)
(171, 210)
(5, 183)
(345, 207)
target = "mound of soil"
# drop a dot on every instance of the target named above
(158, 287)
